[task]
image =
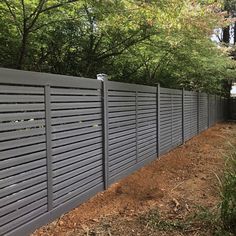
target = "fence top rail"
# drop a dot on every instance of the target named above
(203, 94)
(171, 91)
(10, 76)
(188, 92)
(112, 85)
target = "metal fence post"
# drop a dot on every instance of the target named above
(183, 118)
(158, 119)
(136, 119)
(215, 111)
(103, 78)
(221, 109)
(198, 112)
(48, 146)
(208, 109)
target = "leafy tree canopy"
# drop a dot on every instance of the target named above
(141, 41)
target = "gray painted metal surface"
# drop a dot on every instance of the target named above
(232, 108)
(63, 139)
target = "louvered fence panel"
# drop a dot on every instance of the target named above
(190, 114)
(77, 148)
(165, 120)
(23, 179)
(203, 111)
(171, 130)
(121, 129)
(147, 124)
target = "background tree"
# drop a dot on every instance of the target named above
(166, 41)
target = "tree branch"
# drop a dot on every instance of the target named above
(37, 13)
(41, 2)
(57, 5)
(14, 16)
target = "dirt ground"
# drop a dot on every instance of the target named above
(166, 191)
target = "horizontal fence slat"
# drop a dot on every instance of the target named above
(77, 112)
(19, 204)
(81, 190)
(13, 125)
(14, 89)
(22, 168)
(21, 134)
(5, 98)
(19, 107)
(75, 105)
(22, 194)
(76, 132)
(74, 91)
(71, 153)
(14, 161)
(26, 218)
(22, 142)
(19, 151)
(77, 181)
(71, 99)
(22, 185)
(8, 76)
(71, 146)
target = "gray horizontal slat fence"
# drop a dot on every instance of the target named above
(51, 148)
(23, 178)
(212, 108)
(171, 127)
(146, 124)
(63, 139)
(232, 108)
(132, 134)
(76, 142)
(203, 111)
(190, 114)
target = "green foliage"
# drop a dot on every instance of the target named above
(146, 42)
(228, 205)
(154, 220)
(202, 220)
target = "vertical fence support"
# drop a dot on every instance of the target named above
(198, 112)
(219, 108)
(229, 109)
(158, 119)
(103, 78)
(183, 118)
(171, 99)
(49, 146)
(215, 111)
(136, 119)
(208, 110)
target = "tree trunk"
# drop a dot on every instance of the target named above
(22, 51)
(234, 32)
(226, 35)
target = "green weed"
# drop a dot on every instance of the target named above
(154, 220)
(228, 194)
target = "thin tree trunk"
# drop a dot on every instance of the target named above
(226, 35)
(234, 32)
(22, 51)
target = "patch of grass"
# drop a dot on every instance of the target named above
(154, 220)
(219, 221)
(203, 220)
(205, 216)
(228, 193)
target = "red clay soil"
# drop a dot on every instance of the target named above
(175, 184)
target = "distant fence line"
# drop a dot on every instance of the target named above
(232, 108)
(63, 139)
